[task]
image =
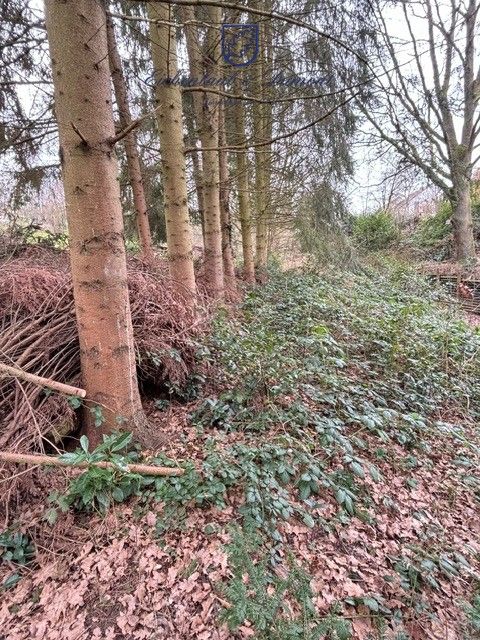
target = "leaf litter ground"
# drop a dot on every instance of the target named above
(330, 442)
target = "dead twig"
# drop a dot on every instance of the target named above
(14, 372)
(36, 459)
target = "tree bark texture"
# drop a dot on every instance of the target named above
(130, 144)
(243, 188)
(168, 98)
(214, 276)
(83, 106)
(225, 215)
(462, 222)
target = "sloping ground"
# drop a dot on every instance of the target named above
(331, 486)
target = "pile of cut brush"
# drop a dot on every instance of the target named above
(38, 334)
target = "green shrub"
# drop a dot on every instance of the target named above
(96, 489)
(436, 228)
(434, 234)
(375, 231)
(15, 548)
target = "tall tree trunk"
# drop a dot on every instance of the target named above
(198, 179)
(209, 140)
(197, 167)
(243, 190)
(195, 121)
(267, 70)
(170, 129)
(83, 106)
(261, 256)
(130, 143)
(462, 222)
(225, 216)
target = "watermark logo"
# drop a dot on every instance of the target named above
(240, 44)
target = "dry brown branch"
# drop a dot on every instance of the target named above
(14, 372)
(38, 334)
(142, 469)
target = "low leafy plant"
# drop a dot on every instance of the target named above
(34, 235)
(433, 230)
(279, 605)
(206, 488)
(277, 483)
(328, 360)
(97, 488)
(472, 610)
(434, 234)
(425, 569)
(16, 547)
(375, 231)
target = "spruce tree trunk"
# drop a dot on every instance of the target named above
(259, 131)
(194, 120)
(462, 222)
(225, 216)
(170, 129)
(208, 130)
(83, 107)
(262, 129)
(243, 191)
(196, 166)
(267, 72)
(130, 143)
(198, 179)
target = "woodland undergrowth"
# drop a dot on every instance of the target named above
(334, 420)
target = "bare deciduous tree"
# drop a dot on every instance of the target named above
(426, 97)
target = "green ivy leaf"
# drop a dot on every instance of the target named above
(357, 469)
(11, 581)
(74, 401)
(118, 495)
(51, 516)
(304, 491)
(371, 603)
(375, 473)
(349, 505)
(84, 443)
(308, 520)
(121, 442)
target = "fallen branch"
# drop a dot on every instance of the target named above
(14, 372)
(142, 469)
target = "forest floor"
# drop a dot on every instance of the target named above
(330, 440)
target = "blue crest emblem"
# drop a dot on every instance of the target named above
(240, 44)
